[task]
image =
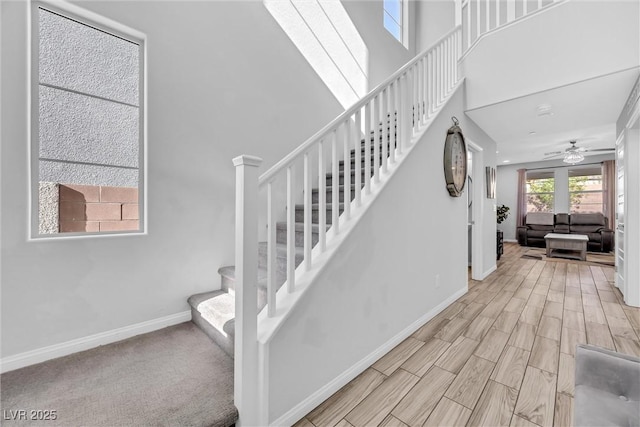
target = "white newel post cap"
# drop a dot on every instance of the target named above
(247, 160)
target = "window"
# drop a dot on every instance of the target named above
(393, 18)
(585, 190)
(540, 191)
(88, 116)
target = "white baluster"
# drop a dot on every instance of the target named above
(478, 24)
(468, 27)
(358, 157)
(511, 10)
(488, 17)
(497, 13)
(423, 90)
(447, 66)
(271, 252)
(347, 137)
(415, 97)
(246, 296)
(407, 115)
(367, 148)
(431, 83)
(393, 109)
(308, 243)
(440, 74)
(375, 108)
(322, 199)
(335, 190)
(384, 135)
(291, 231)
(398, 99)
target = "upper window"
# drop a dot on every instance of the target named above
(88, 124)
(585, 190)
(540, 191)
(394, 18)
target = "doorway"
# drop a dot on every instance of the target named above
(475, 203)
(627, 235)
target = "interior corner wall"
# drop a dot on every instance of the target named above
(434, 18)
(223, 79)
(383, 277)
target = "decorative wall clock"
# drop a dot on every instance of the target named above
(455, 160)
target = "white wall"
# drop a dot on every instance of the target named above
(383, 278)
(507, 187)
(223, 80)
(602, 41)
(434, 19)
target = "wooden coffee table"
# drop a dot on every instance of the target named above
(571, 246)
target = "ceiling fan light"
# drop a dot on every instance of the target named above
(573, 157)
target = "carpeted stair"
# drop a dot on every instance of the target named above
(214, 311)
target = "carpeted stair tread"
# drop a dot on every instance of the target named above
(217, 308)
(171, 377)
(316, 206)
(315, 228)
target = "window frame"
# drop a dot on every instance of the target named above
(601, 191)
(116, 29)
(404, 12)
(552, 193)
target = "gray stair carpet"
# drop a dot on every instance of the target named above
(171, 377)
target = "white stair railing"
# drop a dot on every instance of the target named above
(390, 115)
(482, 16)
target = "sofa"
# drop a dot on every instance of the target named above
(593, 225)
(607, 388)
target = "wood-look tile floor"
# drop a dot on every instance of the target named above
(501, 355)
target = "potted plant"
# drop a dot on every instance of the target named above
(502, 213)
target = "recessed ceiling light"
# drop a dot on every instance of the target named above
(506, 161)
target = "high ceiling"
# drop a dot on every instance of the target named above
(527, 127)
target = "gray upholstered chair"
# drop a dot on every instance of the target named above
(607, 391)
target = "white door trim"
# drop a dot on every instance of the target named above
(477, 209)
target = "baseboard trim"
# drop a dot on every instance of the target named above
(510, 240)
(311, 402)
(489, 271)
(74, 346)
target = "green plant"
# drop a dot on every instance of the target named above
(502, 213)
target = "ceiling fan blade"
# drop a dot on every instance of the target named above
(601, 149)
(553, 153)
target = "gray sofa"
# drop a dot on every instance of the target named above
(607, 391)
(593, 225)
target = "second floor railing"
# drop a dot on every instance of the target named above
(479, 17)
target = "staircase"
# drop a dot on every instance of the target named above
(214, 312)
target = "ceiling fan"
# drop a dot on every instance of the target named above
(573, 154)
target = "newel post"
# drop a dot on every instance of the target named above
(246, 327)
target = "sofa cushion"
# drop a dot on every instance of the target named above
(586, 229)
(587, 219)
(562, 219)
(538, 233)
(540, 218)
(536, 227)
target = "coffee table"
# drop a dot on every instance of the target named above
(571, 246)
